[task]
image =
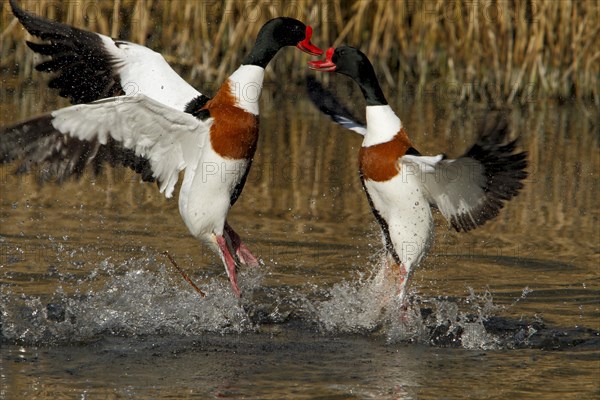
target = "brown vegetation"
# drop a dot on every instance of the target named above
(501, 51)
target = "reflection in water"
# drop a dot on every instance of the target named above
(83, 263)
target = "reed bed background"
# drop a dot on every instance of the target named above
(502, 51)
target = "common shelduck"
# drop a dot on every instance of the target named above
(402, 185)
(134, 110)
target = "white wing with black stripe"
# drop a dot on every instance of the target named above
(169, 139)
(88, 66)
(472, 189)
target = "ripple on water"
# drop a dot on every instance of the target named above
(145, 299)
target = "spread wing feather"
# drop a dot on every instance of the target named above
(88, 66)
(472, 189)
(329, 105)
(136, 131)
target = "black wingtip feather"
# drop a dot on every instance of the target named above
(38, 26)
(84, 70)
(504, 170)
(35, 144)
(327, 102)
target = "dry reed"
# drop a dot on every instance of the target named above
(466, 50)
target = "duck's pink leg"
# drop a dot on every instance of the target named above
(241, 250)
(402, 276)
(403, 280)
(230, 266)
(399, 275)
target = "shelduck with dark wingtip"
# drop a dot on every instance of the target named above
(132, 109)
(402, 185)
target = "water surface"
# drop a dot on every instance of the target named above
(90, 307)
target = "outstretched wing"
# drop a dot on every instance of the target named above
(472, 189)
(329, 105)
(137, 131)
(89, 66)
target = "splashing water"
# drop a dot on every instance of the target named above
(370, 306)
(144, 297)
(145, 300)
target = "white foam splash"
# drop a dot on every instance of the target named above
(147, 299)
(369, 305)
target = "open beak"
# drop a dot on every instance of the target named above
(306, 46)
(325, 65)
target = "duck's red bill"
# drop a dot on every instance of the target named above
(306, 46)
(325, 65)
